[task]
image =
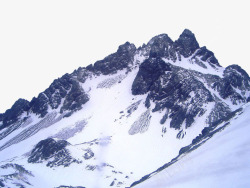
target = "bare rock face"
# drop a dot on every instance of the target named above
(161, 46)
(64, 93)
(185, 93)
(149, 72)
(117, 61)
(11, 115)
(177, 90)
(235, 78)
(54, 153)
(186, 44)
(65, 88)
(205, 55)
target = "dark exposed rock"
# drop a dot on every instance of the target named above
(161, 46)
(58, 90)
(150, 70)
(39, 105)
(186, 44)
(89, 154)
(82, 74)
(234, 78)
(178, 115)
(65, 87)
(180, 134)
(1, 117)
(51, 96)
(147, 102)
(182, 93)
(220, 111)
(206, 130)
(226, 90)
(237, 77)
(45, 149)
(206, 55)
(1, 183)
(164, 118)
(184, 149)
(117, 61)
(75, 98)
(55, 152)
(112, 183)
(11, 115)
(90, 68)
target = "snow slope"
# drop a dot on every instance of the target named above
(223, 161)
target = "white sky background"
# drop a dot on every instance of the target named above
(42, 40)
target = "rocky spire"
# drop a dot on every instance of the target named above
(186, 43)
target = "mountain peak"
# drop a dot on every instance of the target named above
(126, 47)
(159, 45)
(11, 115)
(187, 43)
(161, 37)
(187, 32)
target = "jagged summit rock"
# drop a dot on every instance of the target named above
(11, 115)
(163, 46)
(186, 43)
(160, 46)
(159, 38)
(126, 47)
(116, 61)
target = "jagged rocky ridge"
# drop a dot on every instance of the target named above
(178, 80)
(66, 95)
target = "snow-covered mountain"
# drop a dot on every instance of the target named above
(127, 119)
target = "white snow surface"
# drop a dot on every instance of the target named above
(188, 64)
(223, 161)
